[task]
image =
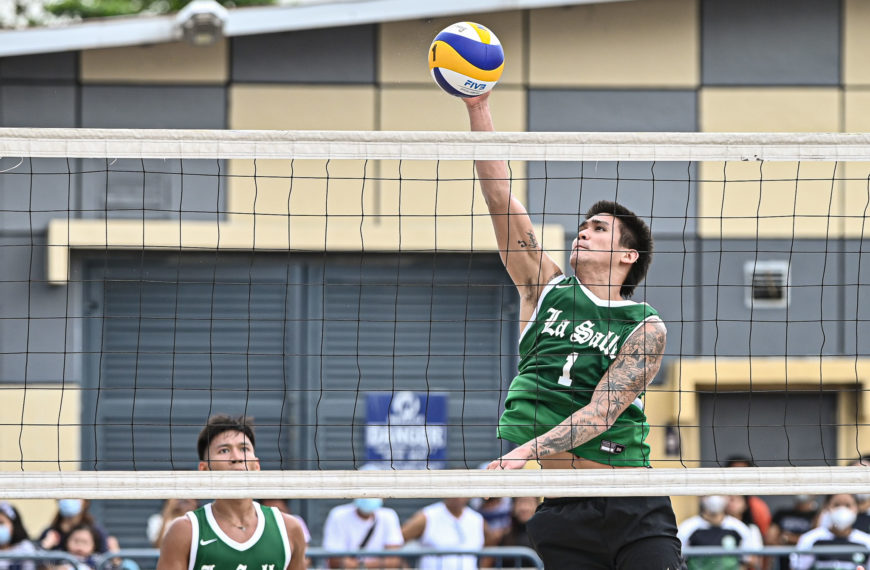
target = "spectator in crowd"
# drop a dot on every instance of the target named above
(496, 511)
(158, 523)
(283, 506)
(81, 541)
(790, 523)
(758, 512)
(713, 527)
(522, 510)
(70, 514)
(835, 528)
(364, 524)
(13, 539)
(862, 523)
(447, 525)
(738, 507)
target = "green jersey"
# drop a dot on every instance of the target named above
(212, 549)
(565, 350)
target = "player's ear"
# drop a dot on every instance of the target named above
(630, 256)
(203, 466)
(253, 464)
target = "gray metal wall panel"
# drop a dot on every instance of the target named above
(810, 326)
(34, 316)
(332, 55)
(773, 428)
(42, 66)
(856, 298)
(774, 42)
(32, 192)
(153, 107)
(662, 192)
(38, 105)
(151, 189)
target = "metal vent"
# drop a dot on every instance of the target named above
(767, 284)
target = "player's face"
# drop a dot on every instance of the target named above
(230, 451)
(597, 238)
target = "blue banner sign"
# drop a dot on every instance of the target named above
(406, 430)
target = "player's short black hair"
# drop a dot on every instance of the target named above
(218, 424)
(634, 234)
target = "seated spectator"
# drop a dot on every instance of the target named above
(81, 542)
(862, 523)
(516, 535)
(364, 524)
(790, 523)
(713, 527)
(758, 512)
(835, 528)
(13, 539)
(158, 523)
(284, 507)
(496, 511)
(448, 525)
(70, 514)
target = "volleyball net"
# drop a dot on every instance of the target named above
(344, 289)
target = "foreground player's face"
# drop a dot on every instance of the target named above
(230, 451)
(597, 237)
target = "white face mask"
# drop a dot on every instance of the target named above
(714, 504)
(841, 518)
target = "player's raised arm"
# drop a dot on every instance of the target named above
(529, 267)
(633, 369)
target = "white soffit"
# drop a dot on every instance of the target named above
(298, 15)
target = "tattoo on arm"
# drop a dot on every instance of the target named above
(627, 377)
(531, 242)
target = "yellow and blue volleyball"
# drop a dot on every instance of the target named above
(466, 59)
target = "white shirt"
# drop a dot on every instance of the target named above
(345, 530)
(445, 531)
(823, 534)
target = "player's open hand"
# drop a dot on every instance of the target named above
(516, 459)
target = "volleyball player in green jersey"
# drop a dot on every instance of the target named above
(587, 354)
(232, 534)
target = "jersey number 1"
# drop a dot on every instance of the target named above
(565, 378)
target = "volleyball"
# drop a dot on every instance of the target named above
(466, 59)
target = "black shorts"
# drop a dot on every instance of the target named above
(606, 533)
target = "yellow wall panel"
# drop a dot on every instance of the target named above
(404, 46)
(856, 42)
(654, 43)
(770, 109)
(748, 200)
(314, 107)
(856, 193)
(176, 62)
(31, 443)
(295, 108)
(430, 109)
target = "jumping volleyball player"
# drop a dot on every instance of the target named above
(586, 356)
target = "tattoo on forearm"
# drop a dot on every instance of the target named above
(626, 378)
(531, 242)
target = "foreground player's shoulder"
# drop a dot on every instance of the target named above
(175, 549)
(296, 537)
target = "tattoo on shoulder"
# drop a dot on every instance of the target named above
(531, 240)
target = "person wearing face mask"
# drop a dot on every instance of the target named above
(70, 514)
(364, 524)
(835, 528)
(13, 539)
(714, 527)
(862, 523)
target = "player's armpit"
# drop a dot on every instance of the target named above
(175, 549)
